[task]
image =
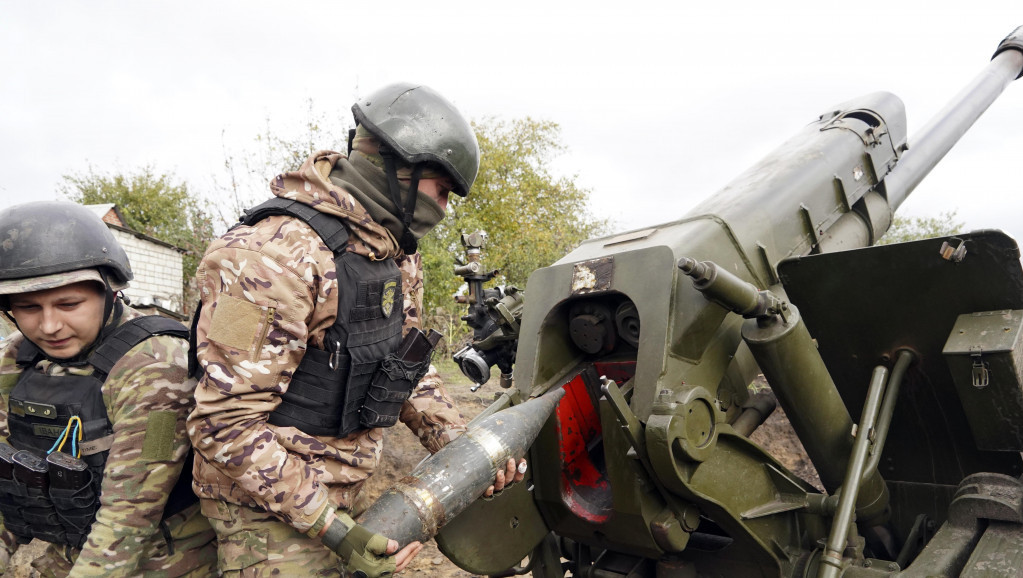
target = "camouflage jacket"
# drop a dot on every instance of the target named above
(277, 279)
(151, 379)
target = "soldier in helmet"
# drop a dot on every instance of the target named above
(304, 305)
(94, 401)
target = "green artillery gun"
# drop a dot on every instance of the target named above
(900, 368)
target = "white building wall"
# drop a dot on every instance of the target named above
(158, 272)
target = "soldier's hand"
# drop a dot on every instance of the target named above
(511, 474)
(406, 554)
(364, 554)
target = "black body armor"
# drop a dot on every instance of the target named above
(329, 393)
(55, 497)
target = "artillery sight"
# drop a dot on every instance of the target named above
(493, 315)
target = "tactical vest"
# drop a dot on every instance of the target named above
(35, 503)
(329, 388)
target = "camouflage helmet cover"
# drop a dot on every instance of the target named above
(51, 244)
(420, 125)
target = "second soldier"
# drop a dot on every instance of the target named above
(304, 307)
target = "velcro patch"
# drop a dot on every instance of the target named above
(96, 446)
(47, 431)
(159, 443)
(237, 323)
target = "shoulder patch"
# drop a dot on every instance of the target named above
(238, 323)
(158, 445)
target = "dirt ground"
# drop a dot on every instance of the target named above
(403, 451)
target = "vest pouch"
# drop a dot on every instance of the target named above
(68, 477)
(391, 386)
(11, 511)
(73, 495)
(32, 474)
(361, 376)
(41, 517)
(312, 403)
(51, 532)
(70, 499)
(38, 510)
(75, 522)
(10, 496)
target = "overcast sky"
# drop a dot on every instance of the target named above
(660, 103)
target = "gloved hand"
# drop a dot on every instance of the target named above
(363, 552)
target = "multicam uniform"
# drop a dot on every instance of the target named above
(268, 292)
(147, 396)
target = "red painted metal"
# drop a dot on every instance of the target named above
(585, 488)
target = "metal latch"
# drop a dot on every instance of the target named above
(981, 376)
(954, 254)
(335, 358)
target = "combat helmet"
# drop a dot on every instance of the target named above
(419, 128)
(419, 125)
(50, 244)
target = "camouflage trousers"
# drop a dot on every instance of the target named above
(194, 551)
(256, 544)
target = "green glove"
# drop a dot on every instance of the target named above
(364, 553)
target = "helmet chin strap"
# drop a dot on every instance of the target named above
(109, 301)
(409, 244)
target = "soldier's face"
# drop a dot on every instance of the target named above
(62, 321)
(437, 189)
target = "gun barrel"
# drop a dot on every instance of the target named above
(949, 125)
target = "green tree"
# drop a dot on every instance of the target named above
(531, 217)
(913, 228)
(153, 204)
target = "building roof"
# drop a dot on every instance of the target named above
(111, 215)
(108, 212)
